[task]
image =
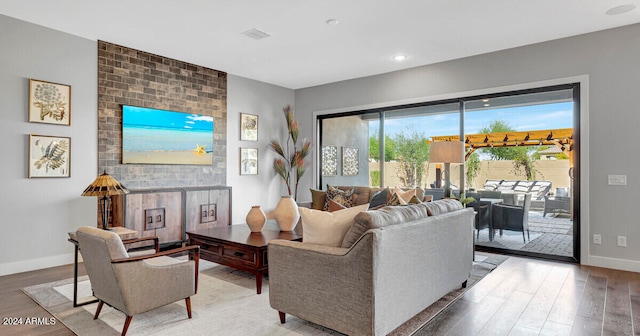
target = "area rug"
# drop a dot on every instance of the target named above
(226, 304)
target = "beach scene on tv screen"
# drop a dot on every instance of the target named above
(151, 136)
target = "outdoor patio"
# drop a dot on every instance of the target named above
(552, 234)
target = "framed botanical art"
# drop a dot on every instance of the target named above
(248, 127)
(350, 160)
(49, 103)
(49, 156)
(329, 160)
(248, 161)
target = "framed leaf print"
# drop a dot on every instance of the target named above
(248, 161)
(248, 127)
(49, 103)
(49, 156)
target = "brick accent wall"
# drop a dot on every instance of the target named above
(133, 77)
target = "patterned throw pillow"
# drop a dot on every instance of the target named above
(394, 200)
(342, 197)
(408, 196)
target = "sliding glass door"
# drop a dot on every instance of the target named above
(521, 152)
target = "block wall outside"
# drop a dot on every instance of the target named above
(133, 77)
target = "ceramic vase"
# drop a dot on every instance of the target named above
(286, 213)
(256, 218)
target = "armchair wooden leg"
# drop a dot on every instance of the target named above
(126, 325)
(100, 303)
(187, 301)
(464, 284)
(282, 317)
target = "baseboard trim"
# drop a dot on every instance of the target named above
(35, 264)
(613, 263)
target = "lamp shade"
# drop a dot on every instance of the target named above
(447, 152)
(105, 185)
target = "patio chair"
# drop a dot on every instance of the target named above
(483, 217)
(134, 285)
(512, 217)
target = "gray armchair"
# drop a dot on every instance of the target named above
(135, 284)
(512, 217)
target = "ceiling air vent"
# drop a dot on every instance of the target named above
(256, 34)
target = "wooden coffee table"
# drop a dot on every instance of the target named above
(236, 246)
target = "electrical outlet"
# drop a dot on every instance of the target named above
(597, 239)
(622, 241)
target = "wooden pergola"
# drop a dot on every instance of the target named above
(562, 138)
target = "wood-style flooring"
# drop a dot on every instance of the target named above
(520, 297)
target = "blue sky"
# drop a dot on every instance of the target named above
(525, 118)
(134, 116)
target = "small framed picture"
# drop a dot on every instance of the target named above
(248, 127)
(329, 160)
(350, 160)
(248, 161)
(49, 103)
(49, 156)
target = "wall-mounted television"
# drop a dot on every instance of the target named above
(152, 136)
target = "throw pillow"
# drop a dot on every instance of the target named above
(328, 228)
(405, 196)
(333, 206)
(414, 200)
(339, 196)
(318, 197)
(379, 198)
(394, 200)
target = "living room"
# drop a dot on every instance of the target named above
(38, 213)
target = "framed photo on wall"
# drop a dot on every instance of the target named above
(49, 103)
(248, 161)
(248, 127)
(49, 156)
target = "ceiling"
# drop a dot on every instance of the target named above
(303, 49)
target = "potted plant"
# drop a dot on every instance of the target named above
(290, 165)
(466, 200)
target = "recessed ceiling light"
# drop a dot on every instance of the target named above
(486, 105)
(621, 9)
(332, 22)
(399, 58)
(485, 100)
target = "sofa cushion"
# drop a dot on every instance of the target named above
(339, 196)
(386, 216)
(328, 228)
(442, 206)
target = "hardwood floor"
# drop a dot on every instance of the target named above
(520, 297)
(15, 304)
(534, 297)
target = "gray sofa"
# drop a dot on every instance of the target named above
(407, 258)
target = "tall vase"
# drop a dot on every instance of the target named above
(286, 213)
(256, 218)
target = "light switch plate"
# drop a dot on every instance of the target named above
(617, 179)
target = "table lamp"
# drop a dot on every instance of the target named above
(447, 152)
(105, 186)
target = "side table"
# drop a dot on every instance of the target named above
(128, 236)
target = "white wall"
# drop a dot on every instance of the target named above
(37, 213)
(265, 100)
(605, 62)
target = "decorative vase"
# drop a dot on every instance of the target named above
(286, 213)
(256, 219)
